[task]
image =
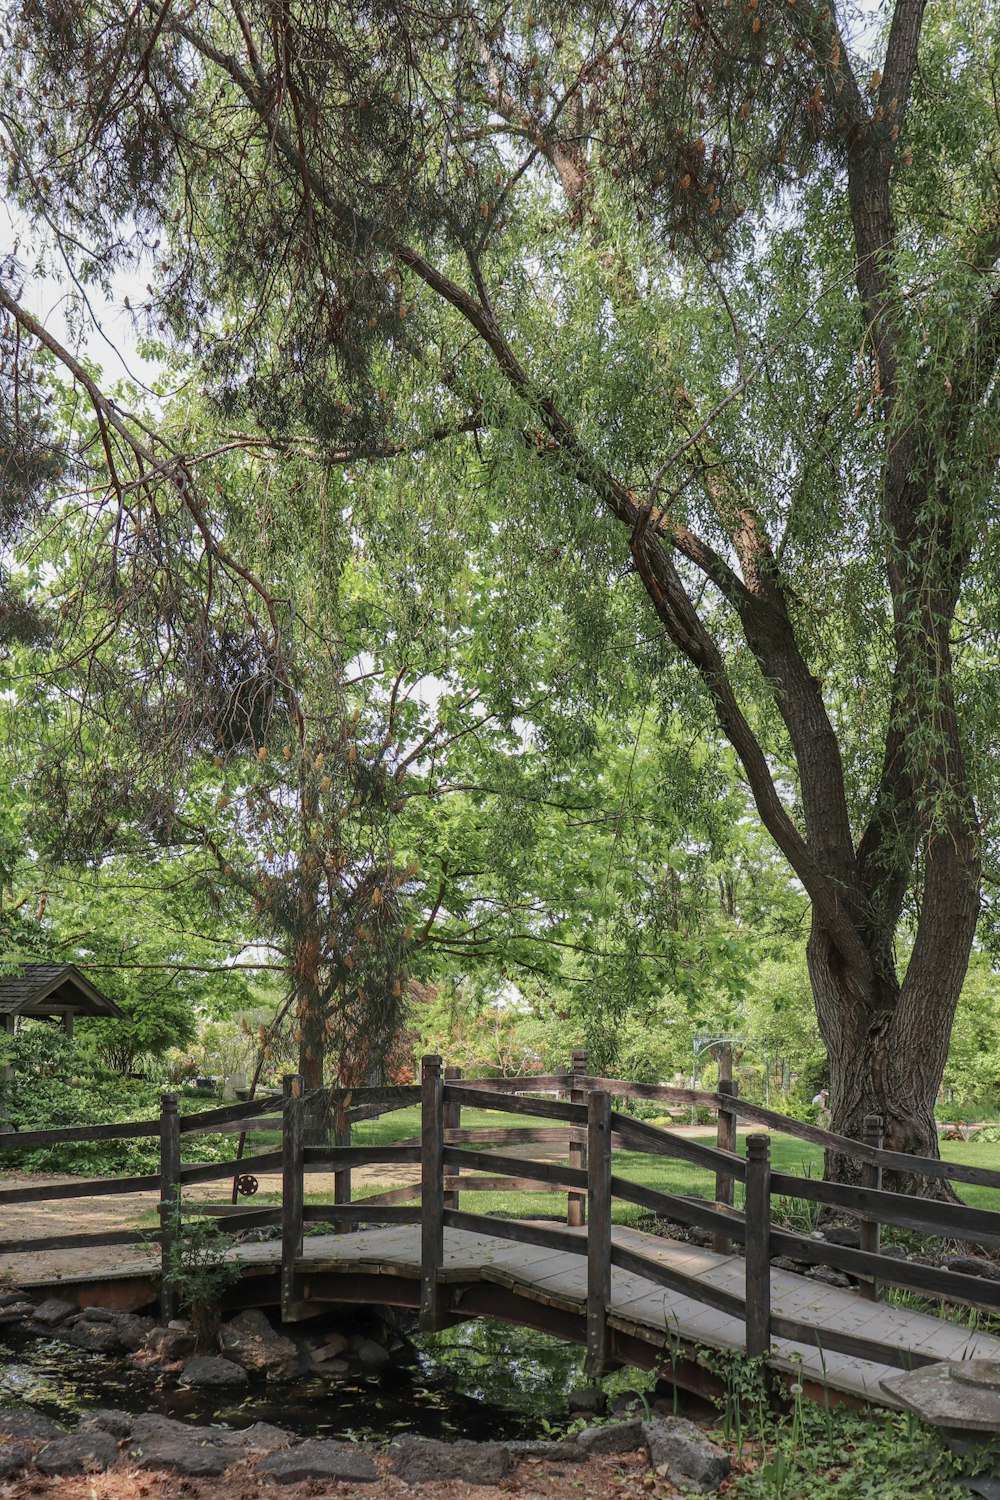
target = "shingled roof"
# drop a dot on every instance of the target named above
(52, 989)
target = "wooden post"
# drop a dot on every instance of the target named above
(576, 1203)
(170, 1198)
(452, 1121)
(10, 1028)
(431, 1191)
(292, 1190)
(871, 1177)
(726, 1141)
(598, 1231)
(342, 1178)
(758, 1246)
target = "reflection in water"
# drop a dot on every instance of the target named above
(483, 1379)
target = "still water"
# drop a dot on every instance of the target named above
(484, 1379)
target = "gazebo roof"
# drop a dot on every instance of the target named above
(53, 990)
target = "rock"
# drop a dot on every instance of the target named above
(99, 1314)
(828, 1277)
(971, 1265)
(251, 1341)
(627, 1403)
(420, 1460)
(682, 1453)
(334, 1348)
(53, 1311)
(170, 1344)
(79, 1453)
(783, 1263)
(210, 1370)
(843, 1234)
(96, 1338)
(160, 1443)
(894, 1252)
(261, 1437)
(562, 1452)
(10, 1295)
(590, 1398)
(30, 1425)
(612, 1437)
(333, 1367)
(108, 1419)
(13, 1456)
(319, 1458)
(16, 1312)
(371, 1357)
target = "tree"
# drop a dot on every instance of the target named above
(699, 291)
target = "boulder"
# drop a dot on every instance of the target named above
(971, 1265)
(30, 1425)
(53, 1311)
(13, 1456)
(79, 1453)
(108, 1419)
(170, 1344)
(210, 1370)
(418, 1460)
(160, 1443)
(320, 1458)
(589, 1398)
(250, 1340)
(371, 1356)
(96, 1338)
(680, 1452)
(612, 1437)
(843, 1234)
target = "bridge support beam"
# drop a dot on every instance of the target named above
(432, 1193)
(292, 1194)
(598, 1232)
(758, 1246)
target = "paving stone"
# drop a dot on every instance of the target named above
(320, 1458)
(79, 1453)
(936, 1396)
(418, 1460)
(161, 1443)
(680, 1452)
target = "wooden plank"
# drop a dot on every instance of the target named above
(208, 1119)
(208, 1171)
(661, 1274)
(291, 1192)
(598, 1176)
(64, 1135)
(725, 1140)
(513, 1135)
(952, 1286)
(365, 1210)
(550, 1172)
(484, 1184)
(682, 1210)
(432, 1193)
(394, 1195)
(331, 1158)
(238, 1217)
(851, 1344)
(149, 1237)
(758, 1247)
(624, 1089)
(548, 1109)
(248, 1125)
(576, 1203)
(953, 1221)
(651, 1140)
(522, 1231)
(547, 1083)
(89, 1187)
(170, 1200)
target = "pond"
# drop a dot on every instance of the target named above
(483, 1379)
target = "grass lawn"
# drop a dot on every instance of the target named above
(664, 1173)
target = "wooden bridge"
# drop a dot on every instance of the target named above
(629, 1296)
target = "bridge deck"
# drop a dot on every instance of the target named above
(647, 1312)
